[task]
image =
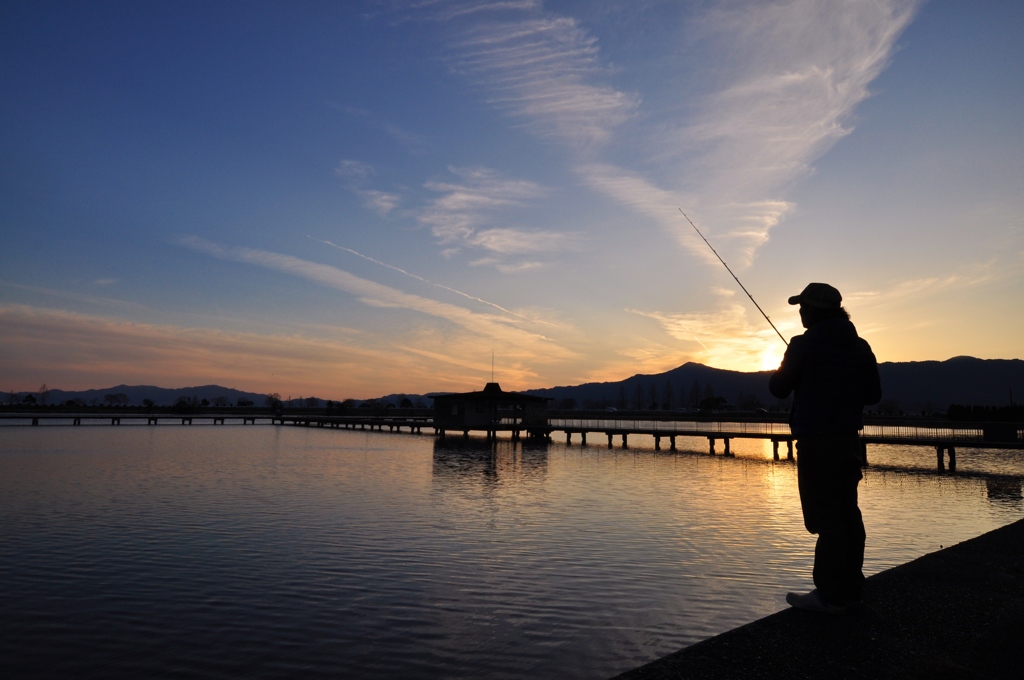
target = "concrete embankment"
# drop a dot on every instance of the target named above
(955, 613)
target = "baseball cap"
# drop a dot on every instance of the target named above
(820, 295)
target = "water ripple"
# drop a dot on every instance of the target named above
(282, 552)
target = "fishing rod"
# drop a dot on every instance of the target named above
(735, 277)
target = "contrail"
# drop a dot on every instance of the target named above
(696, 338)
(432, 283)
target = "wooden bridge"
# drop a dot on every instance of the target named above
(944, 436)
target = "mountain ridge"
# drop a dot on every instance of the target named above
(910, 386)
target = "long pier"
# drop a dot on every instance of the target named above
(944, 436)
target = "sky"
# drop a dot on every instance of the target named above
(356, 198)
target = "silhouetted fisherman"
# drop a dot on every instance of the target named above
(833, 375)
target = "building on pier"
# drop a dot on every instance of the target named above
(491, 410)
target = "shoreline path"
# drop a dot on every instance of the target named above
(955, 613)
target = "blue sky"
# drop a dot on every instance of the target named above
(350, 199)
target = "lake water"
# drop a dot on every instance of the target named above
(273, 552)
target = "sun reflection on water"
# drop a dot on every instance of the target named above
(370, 554)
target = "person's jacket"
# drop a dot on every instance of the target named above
(833, 373)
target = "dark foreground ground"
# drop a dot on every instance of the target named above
(956, 613)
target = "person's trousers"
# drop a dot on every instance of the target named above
(828, 468)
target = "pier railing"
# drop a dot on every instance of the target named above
(739, 428)
(659, 424)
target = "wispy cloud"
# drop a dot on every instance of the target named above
(89, 350)
(544, 70)
(799, 69)
(725, 336)
(417, 277)
(445, 10)
(486, 327)
(792, 72)
(465, 213)
(356, 175)
(504, 267)
(899, 293)
(790, 76)
(463, 208)
(507, 241)
(77, 297)
(380, 202)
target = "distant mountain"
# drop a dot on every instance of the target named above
(161, 396)
(677, 384)
(910, 386)
(960, 380)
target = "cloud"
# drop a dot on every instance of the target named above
(432, 283)
(804, 67)
(462, 208)
(792, 74)
(380, 202)
(516, 241)
(788, 78)
(356, 175)
(77, 297)
(452, 9)
(503, 330)
(543, 69)
(799, 69)
(725, 336)
(352, 169)
(899, 293)
(80, 351)
(506, 268)
(466, 212)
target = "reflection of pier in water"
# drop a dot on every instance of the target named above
(488, 460)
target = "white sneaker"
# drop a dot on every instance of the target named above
(812, 602)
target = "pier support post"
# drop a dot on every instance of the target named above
(940, 459)
(711, 445)
(625, 444)
(609, 440)
(789, 449)
(952, 458)
(863, 454)
(775, 449)
(583, 438)
(568, 438)
(657, 443)
(727, 452)
(672, 442)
